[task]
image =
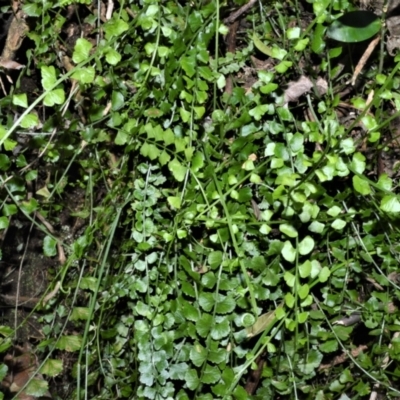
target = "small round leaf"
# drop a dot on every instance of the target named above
(288, 252)
(306, 245)
(288, 230)
(361, 185)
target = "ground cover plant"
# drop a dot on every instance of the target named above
(199, 200)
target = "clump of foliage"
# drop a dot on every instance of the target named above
(227, 233)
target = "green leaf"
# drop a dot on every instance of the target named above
(32, 10)
(48, 77)
(305, 269)
(209, 280)
(164, 158)
(274, 52)
(384, 182)
(79, 313)
(198, 354)
(84, 75)
(189, 153)
(20, 100)
(69, 343)
(197, 162)
(221, 81)
(215, 259)
(283, 66)
(3, 371)
(177, 371)
(347, 146)
(174, 202)
(355, 26)
(9, 209)
(335, 52)
(334, 211)
(29, 206)
(310, 362)
(163, 51)
(5, 162)
(289, 300)
(288, 252)
(192, 380)
(358, 163)
(4, 222)
(301, 44)
(189, 311)
(338, 224)
(152, 10)
(117, 100)
(206, 301)
(121, 138)
(81, 50)
(221, 329)
(44, 191)
(88, 282)
(303, 291)
(177, 169)
(290, 279)
(293, 33)
(217, 354)
(329, 346)
(113, 57)
(288, 230)
(324, 274)
(259, 111)
(5, 344)
(29, 121)
(261, 46)
(6, 331)
(146, 370)
(361, 185)
(154, 113)
(188, 64)
(247, 320)
(225, 304)
(37, 387)
(302, 317)
(49, 246)
(204, 325)
(115, 27)
(9, 144)
(269, 88)
(185, 114)
(369, 122)
(211, 374)
(56, 96)
(306, 246)
(52, 367)
(390, 204)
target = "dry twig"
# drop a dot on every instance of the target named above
(235, 15)
(364, 59)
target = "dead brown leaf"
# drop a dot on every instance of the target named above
(302, 86)
(10, 64)
(22, 365)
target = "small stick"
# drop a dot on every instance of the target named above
(364, 59)
(231, 40)
(29, 302)
(110, 8)
(235, 15)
